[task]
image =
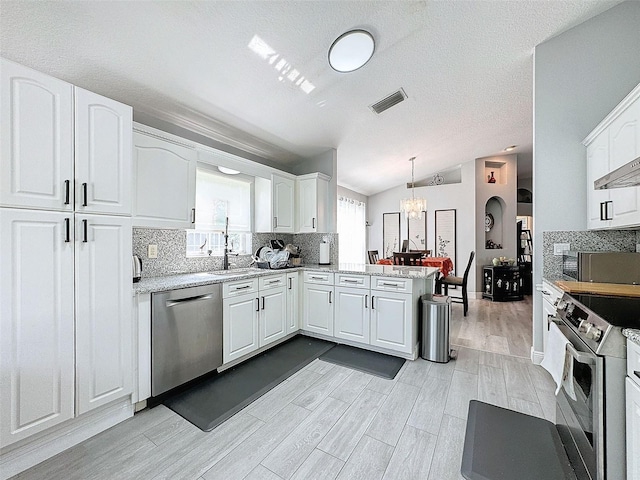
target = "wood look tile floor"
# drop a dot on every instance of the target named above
(331, 422)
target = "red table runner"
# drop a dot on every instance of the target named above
(443, 263)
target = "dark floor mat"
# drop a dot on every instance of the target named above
(216, 399)
(379, 364)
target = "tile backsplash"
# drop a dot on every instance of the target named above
(590, 240)
(172, 257)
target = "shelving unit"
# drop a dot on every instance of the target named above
(502, 283)
(525, 257)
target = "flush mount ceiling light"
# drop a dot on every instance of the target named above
(228, 171)
(351, 50)
(512, 147)
(413, 207)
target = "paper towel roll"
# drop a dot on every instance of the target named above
(325, 254)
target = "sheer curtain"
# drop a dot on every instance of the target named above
(352, 234)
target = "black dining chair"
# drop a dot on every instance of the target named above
(405, 246)
(407, 258)
(461, 281)
(373, 256)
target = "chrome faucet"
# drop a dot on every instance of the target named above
(225, 261)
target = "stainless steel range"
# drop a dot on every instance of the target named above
(592, 425)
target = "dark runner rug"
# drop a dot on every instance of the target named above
(211, 402)
(385, 366)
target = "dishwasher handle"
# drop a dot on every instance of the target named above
(173, 303)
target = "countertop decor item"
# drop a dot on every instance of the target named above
(413, 207)
(491, 178)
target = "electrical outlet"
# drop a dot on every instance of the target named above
(558, 248)
(152, 251)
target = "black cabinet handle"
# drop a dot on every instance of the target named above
(372, 305)
(313, 222)
(366, 301)
(330, 292)
(263, 303)
(67, 186)
(84, 231)
(290, 283)
(601, 210)
(67, 237)
(257, 304)
(275, 222)
(193, 215)
(84, 194)
(608, 214)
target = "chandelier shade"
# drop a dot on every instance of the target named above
(413, 207)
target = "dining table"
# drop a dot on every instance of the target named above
(444, 264)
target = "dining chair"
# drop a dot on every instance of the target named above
(374, 256)
(405, 246)
(462, 281)
(407, 258)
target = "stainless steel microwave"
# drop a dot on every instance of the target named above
(604, 267)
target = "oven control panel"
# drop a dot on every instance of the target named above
(582, 320)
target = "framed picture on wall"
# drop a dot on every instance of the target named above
(417, 232)
(390, 234)
(445, 235)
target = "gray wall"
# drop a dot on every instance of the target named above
(579, 77)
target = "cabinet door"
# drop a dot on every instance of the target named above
(307, 205)
(352, 314)
(391, 315)
(239, 326)
(633, 428)
(103, 310)
(293, 302)
(624, 146)
(165, 179)
(36, 322)
(597, 166)
(273, 315)
(283, 202)
(103, 149)
(318, 308)
(36, 127)
(548, 310)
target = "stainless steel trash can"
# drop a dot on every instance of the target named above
(436, 312)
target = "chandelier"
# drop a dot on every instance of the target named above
(413, 207)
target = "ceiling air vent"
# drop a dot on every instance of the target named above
(388, 102)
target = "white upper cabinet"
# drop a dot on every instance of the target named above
(36, 322)
(312, 203)
(103, 131)
(36, 127)
(165, 182)
(103, 310)
(612, 144)
(598, 165)
(274, 204)
(38, 119)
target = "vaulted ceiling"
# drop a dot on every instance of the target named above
(466, 67)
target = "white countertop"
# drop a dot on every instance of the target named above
(184, 280)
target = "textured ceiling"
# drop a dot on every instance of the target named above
(466, 67)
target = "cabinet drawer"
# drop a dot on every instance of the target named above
(272, 281)
(633, 361)
(351, 280)
(239, 287)
(391, 284)
(319, 277)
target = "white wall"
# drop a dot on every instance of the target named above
(579, 77)
(460, 196)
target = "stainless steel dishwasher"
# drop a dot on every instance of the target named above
(186, 335)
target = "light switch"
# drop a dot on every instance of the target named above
(559, 248)
(152, 251)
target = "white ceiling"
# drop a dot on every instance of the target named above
(466, 67)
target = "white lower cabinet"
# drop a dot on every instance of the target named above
(293, 302)
(240, 326)
(352, 314)
(254, 314)
(318, 308)
(632, 387)
(392, 321)
(64, 350)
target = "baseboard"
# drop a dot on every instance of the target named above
(34, 450)
(536, 357)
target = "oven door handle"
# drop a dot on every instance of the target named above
(581, 357)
